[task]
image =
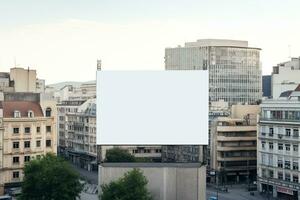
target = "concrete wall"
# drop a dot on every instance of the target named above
(167, 181)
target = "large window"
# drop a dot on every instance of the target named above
(26, 158)
(280, 146)
(27, 129)
(295, 165)
(15, 145)
(280, 163)
(295, 178)
(48, 129)
(16, 130)
(38, 143)
(280, 175)
(16, 174)
(287, 164)
(48, 112)
(16, 160)
(48, 143)
(26, 144)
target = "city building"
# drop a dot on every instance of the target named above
(278, 146)
(233, 145)
(267, 86)
(285, 76)
(21, 80)
(27, 131)
(166, 181)
(234, 68)
(183, 153)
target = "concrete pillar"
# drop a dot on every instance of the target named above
(1, 189)
(274, 192)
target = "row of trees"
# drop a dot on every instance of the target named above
(53, 178)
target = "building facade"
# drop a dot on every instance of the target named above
(166, 181)
(28, 132)
(234, 68)
(233, 145)
(285, 76)
(278, 146)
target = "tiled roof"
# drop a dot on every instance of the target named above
(23, 106)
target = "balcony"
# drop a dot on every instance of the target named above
(238, 148)
(246, 138)
(236, 128)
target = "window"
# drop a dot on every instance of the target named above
(26, 144)
(30, 113)
(17, 114)
(280, 146)
(16, 130)
(271, 173)
(280, 175)
(38, 129)
(295, 165)
(48, 129)
(16, 174)
(295, 147)
(263, 173)
(15, 145)
(271, 132)
(38, 143)
(27, 130)
(295, 132)
(295, 178)
(287, 164)
(280, 163)
(287, 147)
(26, 158)
(48, 143)
(263, 144)
(271, 146)
(288, 132)
(48, 112)
(16, 160)
(287, 176)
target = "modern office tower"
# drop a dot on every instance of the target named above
(233, 145)
(234, 68)
(27, 131)
(278, 146)
(285, 76)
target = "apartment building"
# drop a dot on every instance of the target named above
(285, 77)
(233, 145)
(278, 146)
(28, 132)
(234, 67)
(21, 80)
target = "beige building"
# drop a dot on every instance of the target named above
(233, 145)
(29, 131)
(166, 181)
(21, 80)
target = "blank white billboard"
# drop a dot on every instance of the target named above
(152, 107)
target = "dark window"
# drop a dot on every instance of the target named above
(15, 145)
(27, 144)
(26, 158)
(38, 143)
(38, 129)
(48, 143)
(16, 174)
(48, 112)
(48, 129)
(15, 160)
(27, 129)
(16, 130)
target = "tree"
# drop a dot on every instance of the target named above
(130, 187)
(50, 178)
(119, 155)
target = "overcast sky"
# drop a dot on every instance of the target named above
(63, 39)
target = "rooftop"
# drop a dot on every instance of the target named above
(23, 107)
(171, 165)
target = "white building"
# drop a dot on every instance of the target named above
(278, 146)
(285, 76)
(234, 68)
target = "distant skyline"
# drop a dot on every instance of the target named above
(62, 40)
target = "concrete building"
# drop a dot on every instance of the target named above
(166, 181)
(234, 67)
(21, 80)
(233, 145)
(278, 146)
(285, 76)
(27, 131)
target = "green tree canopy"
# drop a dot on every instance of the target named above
(130, 187)
(119, 155)
(50, 178)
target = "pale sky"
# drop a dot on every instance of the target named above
(63, 39)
